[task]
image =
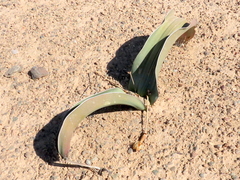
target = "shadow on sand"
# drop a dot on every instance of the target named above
(121, 64)
(45, 142)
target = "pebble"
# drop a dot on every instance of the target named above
(15, 51)
(130, 150)
(206, 53)
(195, 148)
(173, 168)
(38, 72)
(218, 146)
(234, 177)
(210, 163)
(84, 153)
(201, 175)
(12, 70)
(236, 102)
(88, 162)
(193, 154)
(14, 119)
(53, 177)
(155, 172)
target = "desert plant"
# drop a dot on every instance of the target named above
(148, 62)
(87, 106)
(144, 73)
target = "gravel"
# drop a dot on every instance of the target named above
(211, 163)
(234, 177)
(155, 172)
(12, 70)
(38, 72)
(202, 175)
(130, 150)
(88, 162)
(15, 51)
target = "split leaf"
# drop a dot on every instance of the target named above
(148, 62)
(114, 96)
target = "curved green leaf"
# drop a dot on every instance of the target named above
(149, 61)
(87, 106)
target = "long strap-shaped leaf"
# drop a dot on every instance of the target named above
(149, 61)
(87, 106)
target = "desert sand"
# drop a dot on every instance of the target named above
(88, 47)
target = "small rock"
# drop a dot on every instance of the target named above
(206, 53)
(53, 177)
(14, 119)
(193, 154)
(218, 146)
(173, 168)
(201, 175)
(237, 151)
(155, 172)
(13, 70)
(38, 72)
(210, 163)
(236, 102)
(14, 51)
(84, 153)
(234, 177)
(130, 150)
(88, 162)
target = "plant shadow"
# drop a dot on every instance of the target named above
(120, 66)
(45, 142)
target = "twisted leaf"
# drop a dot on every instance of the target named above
(87, 106)
(148, 62)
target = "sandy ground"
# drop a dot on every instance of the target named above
(194, 127)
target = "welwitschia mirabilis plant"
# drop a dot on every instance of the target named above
(87, 106)
(148, 62)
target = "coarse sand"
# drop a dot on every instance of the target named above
(87, 47)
